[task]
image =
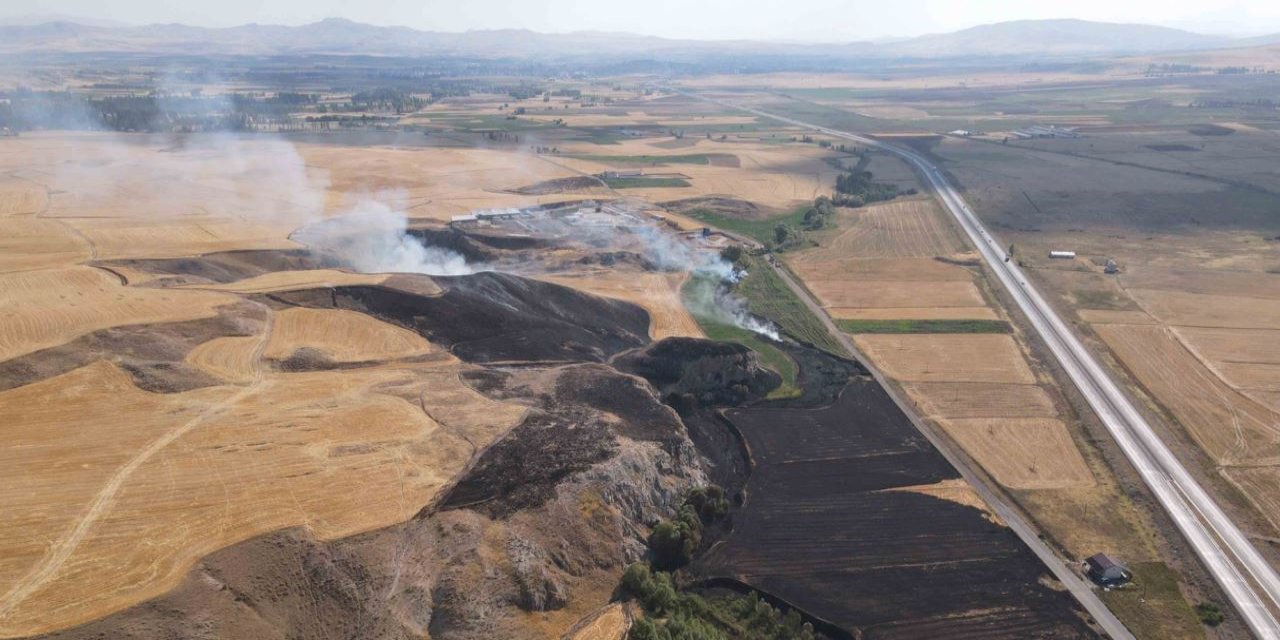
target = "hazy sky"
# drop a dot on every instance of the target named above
(828, 20)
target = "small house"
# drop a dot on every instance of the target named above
(1105, 571)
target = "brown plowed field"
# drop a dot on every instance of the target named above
(947, 357)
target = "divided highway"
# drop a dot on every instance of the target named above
(1244, 575)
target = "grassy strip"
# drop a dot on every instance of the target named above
(923, 326)
(770, 356)
(688, 158)
(644, 183)
(1152, 606)
(761, 230)
(769, 297)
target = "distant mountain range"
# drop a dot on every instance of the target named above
(1038, 38)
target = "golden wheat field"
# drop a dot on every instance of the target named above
(657, 293)
(936, 357)
(112, 492)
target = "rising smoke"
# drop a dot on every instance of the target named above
(372, 238)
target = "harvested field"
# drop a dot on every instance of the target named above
(657, 293)
(21, 197)
(904, 228)
(891, 294)
(233, 359)
(1227, 425)
(292, 280)
(1233, 346)
(959, 400)
(948, 358)
(278, 453)
(1022, 453)
(822, 263)
(342, 336)
(915, 313)
(1259, 484)
(1202, 310)
(48, 307)
(1108, 316)
(864, 545)
(773, 176)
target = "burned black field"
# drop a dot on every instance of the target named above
(826, 527)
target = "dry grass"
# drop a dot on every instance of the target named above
(1022, 453)
(1108, 316)
(610, 623)
(87, 478)
(45, 308)
(343, 336)
(948, 357)
(657, 293)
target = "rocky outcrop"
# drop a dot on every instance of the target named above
(713, 373)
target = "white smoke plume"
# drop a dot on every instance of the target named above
(372, 238)
(709, 295)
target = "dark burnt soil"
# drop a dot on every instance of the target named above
(560, 185)
(494, 317)
(225, 266)
(523, 469)
(821, 530)
(153, 355)
(730, 207)
(708, 372)
(473, 247)
(570, 430)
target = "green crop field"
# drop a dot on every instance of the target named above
(644, 183)
(761, 230)
(688, 158)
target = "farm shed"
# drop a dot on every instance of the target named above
(1105, 571)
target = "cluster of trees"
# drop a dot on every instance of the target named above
(858, 187)
(819, 215)
(502, 136)
(673, 542)
(387, 99)
(676, 615)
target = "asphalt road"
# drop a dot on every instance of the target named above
(1248, 580)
